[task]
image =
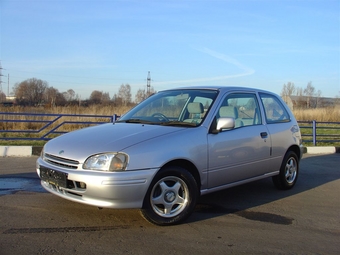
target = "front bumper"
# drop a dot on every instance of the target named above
(102, 189)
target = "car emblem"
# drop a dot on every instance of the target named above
(61, 152)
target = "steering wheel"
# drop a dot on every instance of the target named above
(160, 116)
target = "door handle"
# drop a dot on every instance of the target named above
(264, 134)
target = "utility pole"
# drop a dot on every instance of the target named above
(1, 83)
(8, 85)
(148, 85)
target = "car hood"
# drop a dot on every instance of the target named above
(80, 144)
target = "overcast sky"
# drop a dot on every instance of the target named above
(98, 45)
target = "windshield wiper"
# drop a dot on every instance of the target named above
(178, 123)
(165, 123)
(138, 121)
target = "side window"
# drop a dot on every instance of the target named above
(243, 107)
(274, 110)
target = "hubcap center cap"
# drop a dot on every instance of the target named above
(169, 196)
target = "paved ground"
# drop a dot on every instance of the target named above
(250, 219)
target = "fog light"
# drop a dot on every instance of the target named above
(82, 185)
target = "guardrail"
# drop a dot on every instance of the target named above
(43, 127)
(36, 126)
(320, 132)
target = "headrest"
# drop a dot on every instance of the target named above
(195, 107)
(228, 111)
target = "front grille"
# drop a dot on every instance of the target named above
(64, 191)
(59, 161)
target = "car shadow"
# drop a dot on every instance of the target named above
(315, 171)
(13, 183)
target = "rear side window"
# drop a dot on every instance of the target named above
(274, 110)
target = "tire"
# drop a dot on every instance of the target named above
(289, 171)
(171, 197)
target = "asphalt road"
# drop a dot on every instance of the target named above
(250, 219)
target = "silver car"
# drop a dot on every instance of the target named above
(173, 147)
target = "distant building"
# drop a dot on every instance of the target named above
(9, 101)
(10, 98)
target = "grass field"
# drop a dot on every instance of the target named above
(331, 114)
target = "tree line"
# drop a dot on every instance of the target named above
(306, 97)
(36, 92)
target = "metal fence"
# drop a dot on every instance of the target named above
(320, 132)
(43, 127)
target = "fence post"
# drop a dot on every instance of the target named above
(314, 132)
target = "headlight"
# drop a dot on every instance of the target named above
(107, 162)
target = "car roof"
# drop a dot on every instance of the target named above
(222, 88)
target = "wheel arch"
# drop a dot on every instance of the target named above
(189, 166)
(296, 149)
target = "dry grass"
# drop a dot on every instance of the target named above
(92, 110)
(330, 114)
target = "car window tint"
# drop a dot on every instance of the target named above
(187, 106)
(274, 110)
(243, 107)
(169, 106)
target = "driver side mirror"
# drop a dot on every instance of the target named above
(225, 123)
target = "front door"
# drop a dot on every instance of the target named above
(244, 151)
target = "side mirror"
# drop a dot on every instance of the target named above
(225, 123)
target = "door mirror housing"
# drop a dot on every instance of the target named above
(225, 123)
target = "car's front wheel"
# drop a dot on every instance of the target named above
(171, 197)
(289, 170)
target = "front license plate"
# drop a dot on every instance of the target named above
(54, 177)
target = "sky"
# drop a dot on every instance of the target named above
(88, 45)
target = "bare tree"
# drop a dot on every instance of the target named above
(116, 100)
(30, 91)
(300, 101)
(124, 94)
(142, 94)
(69, 95)
(51, 96)
(96, 97)
(106, 98)
(318, 99)
(2, 97)
(288, 89)
(286, 93)
(309, 92)
(60, 99)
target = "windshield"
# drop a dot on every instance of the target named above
(173, 108)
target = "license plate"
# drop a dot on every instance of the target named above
(54, 177)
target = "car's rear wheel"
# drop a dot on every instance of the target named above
(289, 170)
(171, 197)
